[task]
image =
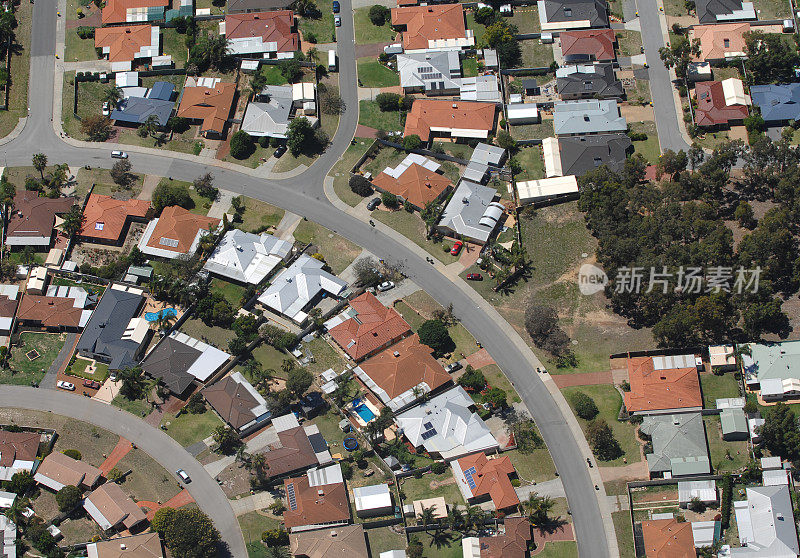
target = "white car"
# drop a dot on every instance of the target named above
(385, 286)
(184, 477)
(119, 155)
(65, 385)
(337, 21)
(106, 109)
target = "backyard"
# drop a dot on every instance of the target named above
(535, 54)
(31, 358)
(725, 456)
(232, 292)
(532, 163)
(541, 130)
(213, 335)
(718, 387)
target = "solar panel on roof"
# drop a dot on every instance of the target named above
(291, 496)
(470, 480)
(429, 434)
(427, 425)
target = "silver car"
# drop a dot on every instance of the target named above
(65, 385)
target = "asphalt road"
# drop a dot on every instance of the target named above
(304, 195)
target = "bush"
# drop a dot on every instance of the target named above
(73, 453)
(379, 15)
(585, 407)
(602, 441)
(437, 468)
(167, 194)
(637, 136)
(434, 334)
(412, 142)
(275, 537)
(727, 499)
(115, 475)
(85, 32)
(505, 140)
(347, 470)
(241, 145)
(360, 185)
(311, 37)
(389, 200)
(196, 406)
(68, 498)
(291, 70)
(388, 102)
(485, 15)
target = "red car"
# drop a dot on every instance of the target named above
(91, 384)
(456, 248)
(475, 277)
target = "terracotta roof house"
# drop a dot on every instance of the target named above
(238, 403)
(393, 373)
(435, 27)
(723, 41)
(720, 103)
(58, 470)
(175, 232)
(311, 505)
(110, 507)
(370, 328)
(9, 299)
(462, 119)
(210, 102)
(480, 478)
(417, 185)
(666, 538)
(591, 44)
(33, 219)
(133, 11)
(517, 533)
(18, 452)
(179, 360)
(146, 545)
(262, 33)
(108, 219)
(127, 43)
(53, 313)
(347, 541)
(663, 384)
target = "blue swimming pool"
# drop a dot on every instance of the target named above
(362, 410)
(166, 312)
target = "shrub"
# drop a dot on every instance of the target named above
(85, 32)
(167, 194)
(485, 15)
(727, 498)
(311, 37)
(434, 334)
(379, 15)
(388, 102)
(347, 470)
(360, 185)
(637, 136)
(68, 498)
(196, 406)
(73, 453)
(291, 70)
(584, 405)
(389, 200)
(438, 468)
(412, 142)
(241, 145)
(275, 537)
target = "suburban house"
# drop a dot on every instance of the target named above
(773, 370)
(269, 113)
(8, 538)
(133, 11)
(316, 500)
(722, 357)
(473, 212)
(238, 403)
(778, 103)
(261, 34)
(367, 327)
(663, 384)
(766, 523)
(588, 44)
(577, 155)
(512, 541)
(116, 334)
(483, 160)
(209, 102)
(721, 11)
(247, 258)
(146, 545)
(125, 44)
(106, 219)
(668, 538)
(563, 15)
(431, 73)
(297, 449)
(34, 218)
(723, 41)
(434, 27)
(347, 541)
(61, 309)
(373, 500)
(298, 288)
(588, 116)
(137, 106)
(178, 361)
(720, 103)
(734, 425)
(18, 451)
(703, 490)
(430, 118)
(58, 470)
(558, 188)
(480, 478)
(402, 373)
(250, 6)
(9, 299)
(416, 180)
(446, 426)
(111, 508)
(588, 81)
(679, 445)
(175, 232)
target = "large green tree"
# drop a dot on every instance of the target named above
(188, 533)
(780, 433)
(770, 58)
(434, 334)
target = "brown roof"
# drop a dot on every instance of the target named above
(116, 506)
(123, 42)
(8, 306)
(512, 544)
(711, 106)
(428, 113)
(22, 446)
(653, 390)
(427, 23)
(347, 541)
(373, 327)
(147, 545)
(403, 366)
(49, 311)
(34, 216)
(177, 223)
(68, 471)
(719, 39)
(116, 11)
(270, 26)
(294, 454)
(211, 105)
(417, 184)
(492, 477)
(666, 538)
(106, 217)
(595, 42)
(232, 401)
(314, 505)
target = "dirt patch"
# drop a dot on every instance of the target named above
(98, 254)
(636, 113)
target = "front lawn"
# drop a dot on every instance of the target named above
(559, 549)
(26, 369)
(341, 172)
(382, 158)
(649, 148)
(629, 42)
(463, 340)
(367, 32)
(718, 387)
(337, 250)
(329, 124)
(78, 368)
(371, 116)
(77, 49)
(412, 227)
(253, 524)
(320, 29)
(372, 73)
(147, 480)
(20, 70)
(624, 530)
(189, 428)
(137, 407)
(258, 215)
(535, 466)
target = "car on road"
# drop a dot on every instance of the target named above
(184, 476)
(91, 384)
(453, 367)
(279, 151)
(336, 6)
(385, 286)
(474, 277)
(456, 248)
(119, 155)
(65, 385)
(373, 204)
(337, 21)
(106, 110)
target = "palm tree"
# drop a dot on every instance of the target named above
(474, 518)
(538, 509)
(455, 518)
(287, 365)
(151, 124)
(313, 55)
(39, 161)
(112, 95)
(425, 517)
(15, 512)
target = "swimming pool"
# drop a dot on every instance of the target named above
(166, 312)
(362, 410)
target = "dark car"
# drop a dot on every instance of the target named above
(474, 277)
(91, 384)
(336, 7)
(280, 151)
(373, 203)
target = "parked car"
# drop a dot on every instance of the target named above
(106, 110)
(474, 277)
(279, 151)
(91, 384)
(453, 367)
(337, 21)
(336, 6)
(373, 204)
(65, 385)
(184, 476)
(119, 155)
(456, 248)
(113, 376)
(385, 286)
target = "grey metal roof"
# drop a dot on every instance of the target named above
(269, 117)
(472, 211)
(137, 110)
(587, 116)
(733, 420)
(247, 257)
(581, 154)
(249, 6)
(102, 336)
(589, 80)
(679, 444)
(488, 154)
(433, 71)
(719, 11)
(766, 523)
(480, 88)
(569, 11)
(777, 102)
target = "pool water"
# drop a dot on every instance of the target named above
(362, 410)
(166, 312)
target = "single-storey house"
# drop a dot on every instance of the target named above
(123, 45)
(347, 541)
(18, 451)
(58, 470)
(588, 44)
(720, 103)
(416, 180)
(588, 116)
(433, 27)
(177, 231)
(111, 508)
(269, 34)
(34, 219)
(247, 258)
(238, 403)
(679, 445)
(480, 478)
(588, 81)
(663, 384)
(372, 501)
(369, 328)
(472, 213)
(778, 103)
(316, 500)
(765, 523)
(722, 11)
(106, 219)
(430, 118)
(208, 101)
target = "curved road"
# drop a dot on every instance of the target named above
(304, 195)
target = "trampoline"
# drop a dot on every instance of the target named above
(350, 443)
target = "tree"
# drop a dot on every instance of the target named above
(379, 15)
(73, 220)
(210, 51)
(133, 383)
(299, 381)
(120, 172)
(360, 185)
(167, 194)
(291, 70)
(7, 192)
(277, 337)
(415, 548)
(389, 200)
(425, 517)
(275, 538)
(39, 161)
(601, 438)
(178, 124)
(780, 433)
(16, 512)
(196, 406)
(485, 15)
(204, 186)
(96, 127)
(496, 397)
(412, 141)
(112, 95)
(501, 36)
(366, 272)
(188, 533)
(697, 505)
(538, 509)
(241, 145)
(68, 498)
(679, 54)
(330, 101)
(20, 483)
(226, 439)
(388, 102)
(744, 215)
(472, 379)
(584, 405)
(541, 323)
(298, 134)
(434, 334)
(505, 140)
(770, 59)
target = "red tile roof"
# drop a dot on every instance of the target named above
(106, 217)
(211, 105)
(371, 329)
(492, 477)
(417, 185)
(596, 42)
(712, 109)
(270, 26)
(22, 446)
(315, 504)
(427, 23)
(116, 11)
(654, 390)
(177, 223)
(512, 544)
(666, 538)
(124, 41)
(49, 311)
(428, 113)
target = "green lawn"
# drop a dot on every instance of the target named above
(20, 69)
(273, 74)
(675, 8)
(541, 130)
(258, 214)
(412, 227)
(289, 162)
(253, 524)
(189, 428)
(372, 73)
(270, 358)
(22, 370)
(231, 291)
(325, 357)
(258, 156)
(536, 466)
(370, 115)
(718, 387)
(341, 172)
(469, 67)
(477, 29)
(447, 544)
(609, 401)
(496, 378)
(420, 489)
(138, 407)
(532, 163)
(174, 44)
(720, 449)
(535, 54)
(383, 539)
(630, 42)
(624, 530)
(367, 32)
(78, 368)
(215, 335)
(200, 205)
(337, 250)
(559, 549)
(526, 18)
(77, 49)
(104, 184)
(382, 158)
(322, 28)
(649, 148)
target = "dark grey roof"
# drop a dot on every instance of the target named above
(137, 110)
(581, 154)
(529, 84)
(600, 82)
(777, 102)
(708, 10)
(248, 6)
(595, 11)
(170, 362)
(102, 336)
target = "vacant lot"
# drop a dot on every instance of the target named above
(25, 367)
(147, 480)
(412, 227)
(337, 250)
(630, 43)
(535, 54)
(370, 115)
(20, 69)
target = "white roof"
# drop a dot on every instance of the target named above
(472, 211)
(432, 70)
(488, 154)
(470, 547)
(766, 523)
(372, 497)
(587, 116)
(210, 359)
(535, 190)
(7, 499)
(705, 490)
(673, 362)
(303, 92)
(552, 157)
(480, 88)
(247, 257)
(703, 533)
(96, 514)
(734, 92)
(127, 79)
(9, 542)
(775, 477)
(752, 424)
(322, 476)
(770, 463)
(393, 554)
(411, 159)
(285, 422)
(747, 11)
(519, 111)
(730, 403)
